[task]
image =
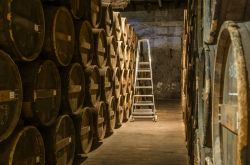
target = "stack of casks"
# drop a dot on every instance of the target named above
(215, 81)
(60, 88)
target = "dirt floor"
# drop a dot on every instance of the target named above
(146, 142)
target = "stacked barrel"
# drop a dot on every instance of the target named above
(215, 81)
(62, 69)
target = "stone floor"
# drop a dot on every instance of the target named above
(146, 142)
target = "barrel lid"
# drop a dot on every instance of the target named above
(26, 27)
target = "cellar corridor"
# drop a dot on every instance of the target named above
(146, 142)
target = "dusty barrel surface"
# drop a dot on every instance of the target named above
(130, 34)
(11, 95)
(127, 56)
(59, 43)
(85, 44)
(125, 29)
(124, 82)
(129, 80)
(100, 120)
(96, 12)
(106, 83)
(127, 107)
(59, 141)
(100, 42)
(131, 64)
(22, 28)
(117, 82)
(111, 52)
(73, 88)
(42, 96)
(230, 94)
(93, 88)
(25, 146)
(107, 19)
(222, 11)
(84, 131)
(120, 53)
(117, 31)
(111, 106)
(119, 111)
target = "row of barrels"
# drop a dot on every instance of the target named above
(215, 81)
(66, 82)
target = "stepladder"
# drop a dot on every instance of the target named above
(143, 99)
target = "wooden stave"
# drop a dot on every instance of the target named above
(8, 38)
(53, 147)
(30, 82)
(10, 146)
(100, 115)
(106, 83)
(93, 73)
(50, 49)
(107, 19)
(81, 121)
(18, 94)
(66, 103)
(100, 43)
(120, 111)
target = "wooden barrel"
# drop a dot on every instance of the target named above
(107, 19)
(120, 53)
(223, 11)
(100, 45)
(59, 43)
(73, 88)
(130, 34)
(84, 131)
(42, 92)
(100, 120)
(59, 141)
(111, 106)
(124, 82)
(25, 146)
(106, 83)
(85, 45)
(230, 118)
(125, 29)
(117, 23)
(132, 59)
(11, 95)
(119, 111)
(127, 107)
(94, 12)
(116, 82)
(112, 57)
(129, 80)
(22, 28)
(93, 88)
(126, 56)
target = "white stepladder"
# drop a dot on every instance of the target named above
(143, 99)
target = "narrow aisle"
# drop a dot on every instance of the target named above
(146, 142)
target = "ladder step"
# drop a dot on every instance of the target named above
(144, 70)
(144, 63)
(143, 78)
(143, 104)
(143, 87)
(142, 113)
(143, 110)
(143, 95)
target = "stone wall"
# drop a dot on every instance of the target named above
(163, 27)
